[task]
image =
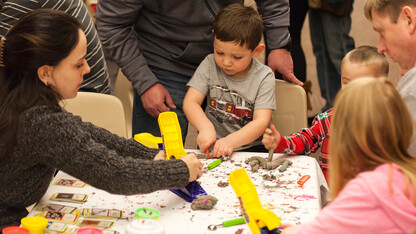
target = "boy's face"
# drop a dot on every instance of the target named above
(233, 59)
(351, 71)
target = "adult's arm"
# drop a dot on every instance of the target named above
(276, 20)
(62, 141)
(115, 24)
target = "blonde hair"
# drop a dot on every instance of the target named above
(371, 125)
(391, 8)
(368, 55)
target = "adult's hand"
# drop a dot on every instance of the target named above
(194, 166)
(157, 100)
(160, 156)
(280, 60)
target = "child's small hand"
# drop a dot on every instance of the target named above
(286, 227)
(271, 137)
(194, 166)
(205, 139)
(223, 148)
(160, 156)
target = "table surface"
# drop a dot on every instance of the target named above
(289, 201)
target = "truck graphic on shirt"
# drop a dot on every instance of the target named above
(239, 111)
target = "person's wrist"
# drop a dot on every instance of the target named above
(288, 46)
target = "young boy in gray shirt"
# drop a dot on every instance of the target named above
(239, 88)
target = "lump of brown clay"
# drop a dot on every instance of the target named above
(256, 162)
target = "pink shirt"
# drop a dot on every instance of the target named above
(367, 204)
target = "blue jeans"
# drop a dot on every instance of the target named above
(176, 85)
(331, 42)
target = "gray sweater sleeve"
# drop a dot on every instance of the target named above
(115, 21)
(104, 160)
(276, 20)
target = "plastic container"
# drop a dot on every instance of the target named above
(36, 225)
(89, 230)
(15, 230)
(147, 213)
(145, 226)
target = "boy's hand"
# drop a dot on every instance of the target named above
(194, 166)
(271, 137)
(286, 227)
(223, 148)
(160, 156)
(205, 139)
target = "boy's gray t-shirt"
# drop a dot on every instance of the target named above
(231, 101)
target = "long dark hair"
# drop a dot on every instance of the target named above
(41, 37)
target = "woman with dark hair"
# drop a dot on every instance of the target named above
(42, 60)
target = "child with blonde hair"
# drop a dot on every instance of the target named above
(360, 62)
(373, 177)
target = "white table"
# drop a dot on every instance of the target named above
(291, 202)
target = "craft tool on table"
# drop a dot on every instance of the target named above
(259, 220)
(303, 180)
(214, 164)
(147, 213)
(227, 223)
(173, 146)
(149, 140)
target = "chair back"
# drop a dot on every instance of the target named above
(124, 91)
(102, 110)
(290, 115)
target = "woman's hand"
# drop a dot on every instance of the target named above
(194, 166)
(160, 156)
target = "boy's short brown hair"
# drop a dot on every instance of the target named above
(239, 23)
(391, 8)
(368, 55)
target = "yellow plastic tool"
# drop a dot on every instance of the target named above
(255, 215)
(171, 135)
(149, 140)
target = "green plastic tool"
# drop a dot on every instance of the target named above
(214, 164)
(227, 223)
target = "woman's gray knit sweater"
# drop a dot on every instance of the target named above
(50, 139)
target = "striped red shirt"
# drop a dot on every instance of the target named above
(309, 140)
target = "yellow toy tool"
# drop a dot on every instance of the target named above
(171, 134)
(171, 142)
(149, 140)
(259, 220)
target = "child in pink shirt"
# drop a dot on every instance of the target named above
(373, 177)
